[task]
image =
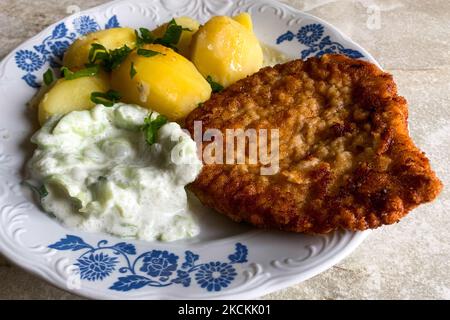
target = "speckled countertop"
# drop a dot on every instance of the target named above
(410, 38)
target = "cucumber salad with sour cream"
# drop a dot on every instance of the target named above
(120, 170)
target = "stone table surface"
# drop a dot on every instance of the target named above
(410, 39)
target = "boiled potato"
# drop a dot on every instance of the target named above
(226, 50)
(245, 19)
(167, 83)
(78, 53)
(71, 95)
(186, 37)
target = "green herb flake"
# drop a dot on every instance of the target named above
(170, 38)
(172, 35)
(118, 56)
(139, 40)
(110, 60)
(148, 53)
(43, 192)
(133, 71)
(173, 32)
(40, 191)
(151, 128)
(108, 99)
(98, 53)
(216, 87)
(144, 36)
(88, 72)
(49, 77)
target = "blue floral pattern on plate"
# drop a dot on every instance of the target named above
(215, 275)
(52, 48)
(28, 61)
(312, 36)
(96, 266)
(154, 268)
(85, 24)
(159, 264)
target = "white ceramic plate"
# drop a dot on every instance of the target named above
(227, 260)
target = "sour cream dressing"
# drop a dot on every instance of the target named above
(102, 176)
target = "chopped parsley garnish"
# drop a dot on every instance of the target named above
(133, 71)
(109, 59)
(144, 36)
(170, 38)
(216, 87)
(108, 99)
(118, 56)
(97, 53)
(40, 191)
(172, 35)
(148, 53)
(49, 77)
(151, 128)
(88, 72)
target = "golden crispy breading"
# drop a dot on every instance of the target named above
(346, 158)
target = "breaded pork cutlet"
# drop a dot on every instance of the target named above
(346, 158)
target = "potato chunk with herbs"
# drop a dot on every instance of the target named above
(160, 79)
(78, 53)
(226, 50)
(71, 95)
